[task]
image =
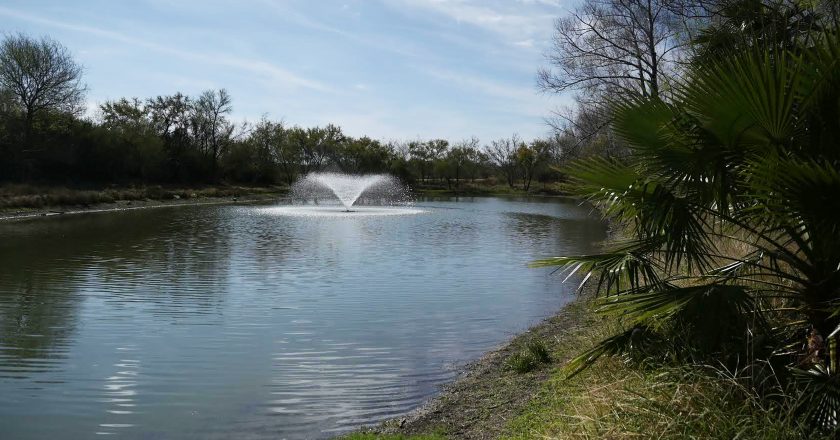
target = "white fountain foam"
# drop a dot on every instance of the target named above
(311, 196)
(347, 187)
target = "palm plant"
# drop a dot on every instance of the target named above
(731, 202)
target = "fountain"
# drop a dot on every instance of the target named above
(346, 187)
(316, 194)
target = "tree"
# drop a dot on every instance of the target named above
(170, 118)
(531, 158)
(42, 77)
(425, 154)
(503, 155)
(365, 155)
(613, 47)
(461, 156)
(275, 151)
(319, 146)
(133, 142)
(210, 127)
(729, 197)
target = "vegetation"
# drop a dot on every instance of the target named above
(530, 357)
(723, 188)
(620, 398)
(22, 197)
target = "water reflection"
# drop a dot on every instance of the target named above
(211, 322)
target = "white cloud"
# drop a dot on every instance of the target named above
(514, 21)
(268, 70)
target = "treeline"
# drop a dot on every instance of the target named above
(192, 139)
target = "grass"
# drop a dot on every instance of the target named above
(530, 357)
(40, 197)
(613, 401)
(618, 399)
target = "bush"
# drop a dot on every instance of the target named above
(537, 349)
(522, 362)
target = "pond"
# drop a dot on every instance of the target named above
(236, 322)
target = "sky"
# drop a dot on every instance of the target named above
(388, 69)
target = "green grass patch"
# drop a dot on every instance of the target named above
(522, 362)
(532, 355)
(538, 350)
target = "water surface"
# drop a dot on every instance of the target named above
(229, 322)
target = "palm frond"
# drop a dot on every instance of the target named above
(628, 267)
(820, 395)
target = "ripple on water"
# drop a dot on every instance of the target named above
(258, 321)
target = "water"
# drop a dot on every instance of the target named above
(237, 322)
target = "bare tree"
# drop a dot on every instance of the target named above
(609, 47)
(210, 126)
(41, 75)
(585, 130)
(503, 154)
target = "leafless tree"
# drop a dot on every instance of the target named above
(41, 75)
(609, 47)
(584, 130)
(503, 155)
(210, 126)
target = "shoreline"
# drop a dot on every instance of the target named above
(13, 214)
(487, 394)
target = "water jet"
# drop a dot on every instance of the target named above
(356, 196)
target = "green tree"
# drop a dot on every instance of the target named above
(461, 157)
(366, 155)
(531, 158)
(425, 154)
(136, 149)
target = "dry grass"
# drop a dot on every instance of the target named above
(617, 399)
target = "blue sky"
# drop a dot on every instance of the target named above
(389, 69)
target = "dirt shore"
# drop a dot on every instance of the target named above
(487, 394)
